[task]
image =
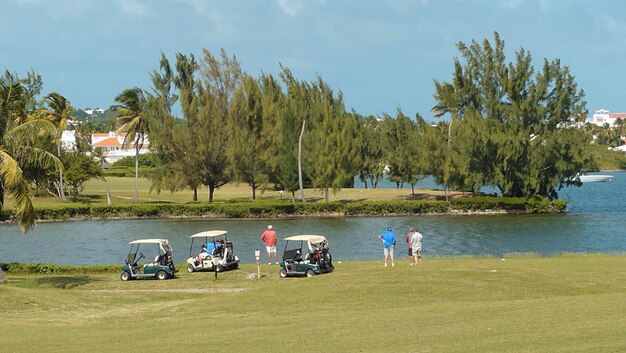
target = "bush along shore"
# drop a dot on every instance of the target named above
(274, 208)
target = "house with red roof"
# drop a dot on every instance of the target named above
(112, 145)
(603, 116)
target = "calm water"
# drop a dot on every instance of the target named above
(595, 222)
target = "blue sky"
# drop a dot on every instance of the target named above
(381, 54)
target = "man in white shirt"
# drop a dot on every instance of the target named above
(416, 247)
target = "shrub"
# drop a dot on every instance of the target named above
(278, 208)
(485, 203)
(56, 269)
(371, 208)
(537, 204)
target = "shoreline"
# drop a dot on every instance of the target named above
(288, 216)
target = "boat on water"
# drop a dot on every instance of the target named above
(595, 178)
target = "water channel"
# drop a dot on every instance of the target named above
(595, 223)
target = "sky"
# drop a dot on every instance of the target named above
(382, 55)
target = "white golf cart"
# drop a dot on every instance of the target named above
(306, 255)
(219, 255)
(161, 268)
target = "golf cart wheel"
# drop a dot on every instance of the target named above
(219, 268)
(234, 266)
(161, 275)
(309, 273)
(125, 276)
(283, 273)
(190, 268)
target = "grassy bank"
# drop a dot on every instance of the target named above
(523, 304)
(121, 191)
(270, 203)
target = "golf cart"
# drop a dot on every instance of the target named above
(219, 255)
(161, 268)
(306, 255)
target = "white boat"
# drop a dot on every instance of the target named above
(595, 178)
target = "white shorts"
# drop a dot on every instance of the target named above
(388, 251)
(270, 249)
(417, 252)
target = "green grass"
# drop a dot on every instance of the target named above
(122, 191)
(569, 303)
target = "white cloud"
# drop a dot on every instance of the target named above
(291, 7)
(199, 6)
(615, 27)
(512, 4)
(132, 7)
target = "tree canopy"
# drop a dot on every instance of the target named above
(521, 122)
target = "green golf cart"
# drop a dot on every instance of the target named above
(306, 255)
(161, 268)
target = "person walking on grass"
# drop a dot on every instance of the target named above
(269, 237)
(416, 248)
(389, 241)
(408, 242)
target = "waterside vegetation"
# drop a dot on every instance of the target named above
(267, 208)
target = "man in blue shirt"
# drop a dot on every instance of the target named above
(211, 246)
(389, 241)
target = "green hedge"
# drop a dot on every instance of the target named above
(396, 207)
(127, 172)
(489, 203)
(56, 269)
(281, 208)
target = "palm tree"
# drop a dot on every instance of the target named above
(18, 131)
(59, 112)
(134, 116)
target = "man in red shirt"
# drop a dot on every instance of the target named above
(269, 237)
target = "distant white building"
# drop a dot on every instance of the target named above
(111, 145)
(603, 116)
(90, 111)
(68, 140)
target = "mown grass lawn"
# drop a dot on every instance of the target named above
(122, 190)
(526, 304)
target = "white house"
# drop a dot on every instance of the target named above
(111, 145)
(603, 116)
(68, 140)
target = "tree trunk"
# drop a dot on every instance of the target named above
(61, 190)
(211, 191)
(254, 193)
(300, 163)
(3, 277)
(108, 196)
(326, 194)
(195, 194)
(448, 157)
(136, 197)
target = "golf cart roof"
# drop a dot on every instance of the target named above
(150, 241)
(208, 233)
(309, 238)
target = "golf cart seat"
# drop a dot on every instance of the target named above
(292, 255)
(157, 261)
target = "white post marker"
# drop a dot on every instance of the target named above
(257, 254)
